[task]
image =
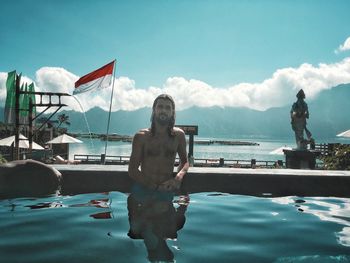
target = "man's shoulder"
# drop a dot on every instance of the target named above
(178, 132)
(143, 132)
(141, 136)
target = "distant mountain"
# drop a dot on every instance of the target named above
(328, 116)
(329, 112)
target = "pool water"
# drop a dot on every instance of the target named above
(215, 227)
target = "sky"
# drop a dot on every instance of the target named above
(226, 53)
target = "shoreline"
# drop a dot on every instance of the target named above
(128, 138)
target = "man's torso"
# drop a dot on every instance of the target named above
(159, 153)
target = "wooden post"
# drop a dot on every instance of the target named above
(190, 146)
(30, 122)
(16, 154)
(190, 130)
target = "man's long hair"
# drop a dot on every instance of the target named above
(172, 119)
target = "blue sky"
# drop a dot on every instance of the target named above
(240, 49)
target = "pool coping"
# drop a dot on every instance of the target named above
(258, 182)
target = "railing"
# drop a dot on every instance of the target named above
(327, 148)
(324, 148)
(221, 162)
(97, 159)
(197, 162)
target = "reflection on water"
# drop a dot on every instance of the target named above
(218, 227)
(155, 219)
(335, 210)
(104, 203)
(45, 205)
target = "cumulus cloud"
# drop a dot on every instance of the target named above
(3, 77)
(278, 90)
(343, 47)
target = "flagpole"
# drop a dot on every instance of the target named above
(109, 114)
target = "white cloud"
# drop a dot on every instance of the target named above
(3, 77)
(343, 47)
(277, 91)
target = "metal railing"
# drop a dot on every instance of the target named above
(198, 162)
(98, 159)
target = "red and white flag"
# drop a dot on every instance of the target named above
(98, 79)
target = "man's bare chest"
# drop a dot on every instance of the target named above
(166, 148)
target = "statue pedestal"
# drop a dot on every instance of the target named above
(301, 159)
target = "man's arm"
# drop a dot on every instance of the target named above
(135, 161)
(183, 165)
(175, 183)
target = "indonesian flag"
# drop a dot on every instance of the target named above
(98, 79)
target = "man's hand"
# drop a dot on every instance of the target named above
(170, 185)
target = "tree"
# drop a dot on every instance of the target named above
(2, 159)
(63, 119)
(338, 158)
(49, 123)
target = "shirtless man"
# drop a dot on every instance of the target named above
(154, 150)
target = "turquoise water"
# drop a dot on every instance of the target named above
(218, 228)
(259, 152)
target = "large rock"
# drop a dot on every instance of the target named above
(28, 178)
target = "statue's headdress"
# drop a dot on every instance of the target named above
(301, 94)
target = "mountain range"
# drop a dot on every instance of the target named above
(328, 117)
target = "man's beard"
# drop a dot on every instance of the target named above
(165, 121)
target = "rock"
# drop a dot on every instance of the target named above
(28, 178)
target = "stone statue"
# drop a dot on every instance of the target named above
(299, 113)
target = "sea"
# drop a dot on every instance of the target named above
(260, 151)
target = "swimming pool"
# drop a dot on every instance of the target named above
(217, 228)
